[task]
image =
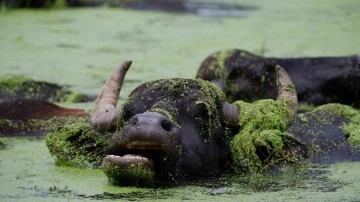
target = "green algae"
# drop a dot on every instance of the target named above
(77, 145)
(36, 127)
(305, 108)
(135, 174)
(2, 145)
(352, 129)
(312, 28)
(20, 86)
(30, 175)
(74, 97)
(262, 124)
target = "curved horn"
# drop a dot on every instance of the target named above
(286, 90)
(104, 113)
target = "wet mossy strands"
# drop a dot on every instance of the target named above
(77, 145)
(262, 123)
(135, 174)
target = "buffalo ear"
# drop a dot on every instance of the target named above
(230, 114)
(219, 84)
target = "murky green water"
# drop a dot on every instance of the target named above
(81, 47)
(27, 173)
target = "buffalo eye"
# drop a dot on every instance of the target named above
(126, 115)
(201, 111)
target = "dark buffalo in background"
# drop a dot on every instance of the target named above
(318, 80)
(162, 5)
(27, 3)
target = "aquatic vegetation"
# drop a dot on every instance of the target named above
(77, 145)
(2, 145)
(135, 174)
(36, 127)
(308, 29)
(23, 87)
(262, 124)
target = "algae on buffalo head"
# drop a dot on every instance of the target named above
(77, 145)
(261, 136)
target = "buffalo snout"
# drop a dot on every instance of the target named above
(152, 122)
(149, 130)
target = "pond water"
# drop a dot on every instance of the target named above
(79, 48)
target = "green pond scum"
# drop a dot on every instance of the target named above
(23, 87)
(36, 127)
(55, 46)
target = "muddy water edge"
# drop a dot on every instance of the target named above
(79, 48)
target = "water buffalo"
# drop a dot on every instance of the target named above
(317, 80)
(176, 129)
(27, 3)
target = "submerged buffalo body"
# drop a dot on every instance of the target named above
(241, 75)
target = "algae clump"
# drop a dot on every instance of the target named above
(77, 145)
(135, 174)
(262, 127)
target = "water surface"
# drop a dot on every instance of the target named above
(81, 47)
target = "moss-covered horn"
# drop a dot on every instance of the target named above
(230, 114)
(286, 91)
(104, 113)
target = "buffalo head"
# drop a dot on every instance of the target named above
(169, 129)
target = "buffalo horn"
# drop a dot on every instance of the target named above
(104, 113)
(286, 91)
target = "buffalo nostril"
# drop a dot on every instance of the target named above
(134, 121)
(167, 125)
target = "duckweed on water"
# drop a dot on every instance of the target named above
(35, 127)
(77, 145)
(19, 86)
